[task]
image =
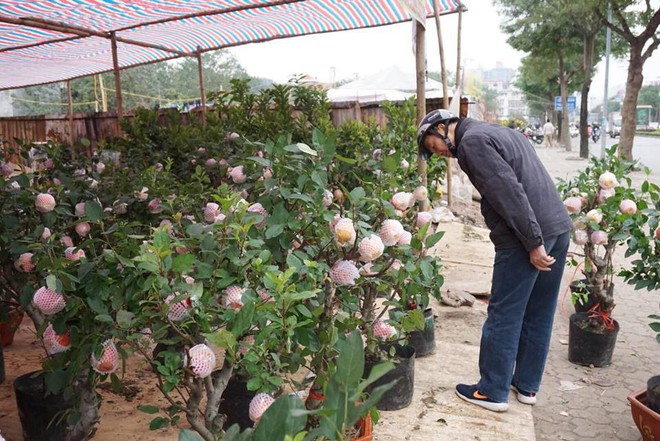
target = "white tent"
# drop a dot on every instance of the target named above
(391, 78)
(366, 96)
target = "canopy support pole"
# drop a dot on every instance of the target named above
(420, 68)
(445, 93)
(70, 102)
(115, 66)
(200, 71)
(458, 45)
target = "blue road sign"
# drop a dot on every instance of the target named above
(572, 103)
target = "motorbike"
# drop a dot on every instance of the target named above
(536, 137)
(595, 134)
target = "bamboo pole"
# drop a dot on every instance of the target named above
(70, 100)
(420, 68)
(200, 72)
(445, 93)
(115, 65)
(104, 97)
(458, 44)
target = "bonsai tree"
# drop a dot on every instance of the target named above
(609, 211)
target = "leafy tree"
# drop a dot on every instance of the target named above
(650, 95)
(626, 20)
(538, 82)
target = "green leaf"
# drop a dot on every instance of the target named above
(274, 231)
(93, 210)
(262, 161)
(97, 304)
(357, 193)
(158, 423)
(189, 435)
(302, 148)
(434, 239)
(104, 318)
(125, 318)
(427, 269)
(279, 421)
(195, 230)
(183, 263)
(151, 410)
(346, 160)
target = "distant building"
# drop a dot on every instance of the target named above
(510, 100)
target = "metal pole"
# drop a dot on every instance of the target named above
(608, 44)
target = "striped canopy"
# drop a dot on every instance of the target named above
(43, 41)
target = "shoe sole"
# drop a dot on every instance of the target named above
(495, 407)
(524, 399)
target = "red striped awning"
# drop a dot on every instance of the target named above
(43, 41)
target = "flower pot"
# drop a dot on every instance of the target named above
(43, 417)
(8, 328)
(424, 340)
(587, 346)
(646, 420)
(653, 393)
(400, 395)
(235, 404)
(585, 287)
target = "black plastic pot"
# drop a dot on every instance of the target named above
(583, 286)
(653, 393)
(42, 416)
(235, 404)
(588, 347)
(424, 340)
(400, 395)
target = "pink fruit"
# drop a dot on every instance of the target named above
(210, 163)
(580, 237)
(55, 343)
(46, 234)
(344, 272)
(607, 180)
(100, 167)
(421, 193)
(371, 248)
(24, 263)
(201, 150)
(628, 207)
(259, 209)
(179, 310)
(158, 167)
(339, 195)
(143, 194)
(154, 206)
(202, 360)
(245, 344)
(405, 238)
(45, 203)
(83, 229)
(396, 265)
(233, 298)
(80, 209)
(423, 218)
(599, 238)
(6, 169)
(657, 233)
(594, 216)
(327, 198)
(603, 194)
(237, 175)
(402, 200)
(120, 207)
(404, 164)
(259, 404)
(268, 173)
(72, 254)
(108, 360)
(264, 295)
(212, 213)
(366, 269)
(377, 154)
(232, 136)
(390, 232)
(67, 241)
(573, 204)
(383, 330)
(344, 232)
(48, 301)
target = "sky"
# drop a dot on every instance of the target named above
(358, 53)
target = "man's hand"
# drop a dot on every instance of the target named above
(540, 259)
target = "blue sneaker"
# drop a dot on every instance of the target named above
(471, 394)
(524, 396)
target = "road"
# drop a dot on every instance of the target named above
(645, 148)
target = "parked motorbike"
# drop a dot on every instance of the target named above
(537, 137)
(595, 134)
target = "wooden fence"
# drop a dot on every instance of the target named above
(100, 126)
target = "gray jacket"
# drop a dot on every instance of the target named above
(519, 200)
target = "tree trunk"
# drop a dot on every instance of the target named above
(90, 403)
(629, 110)
(589, 42)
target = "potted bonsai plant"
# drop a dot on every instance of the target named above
(608, 211)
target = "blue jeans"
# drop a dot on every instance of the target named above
(516, 336)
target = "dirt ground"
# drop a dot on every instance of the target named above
(120, 418)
